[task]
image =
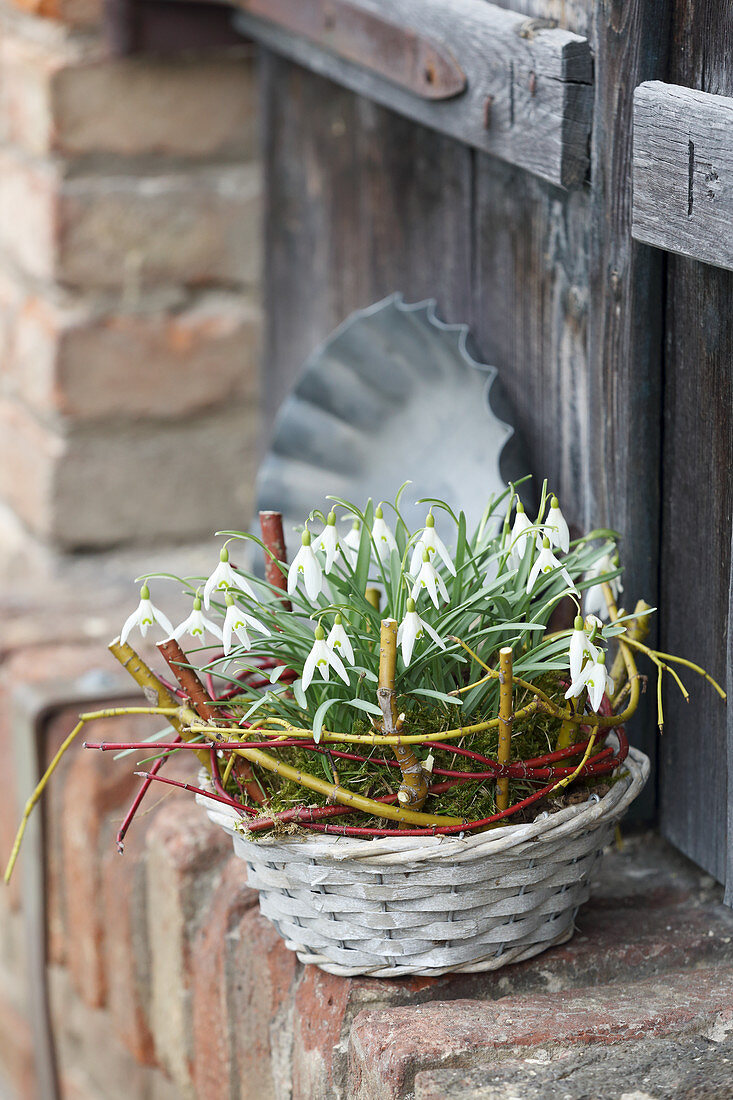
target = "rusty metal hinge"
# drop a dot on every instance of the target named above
(400, 54)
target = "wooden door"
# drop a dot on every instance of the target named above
(617, 355)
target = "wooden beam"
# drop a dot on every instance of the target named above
(625, 322)
(683, 172)
(528, 86)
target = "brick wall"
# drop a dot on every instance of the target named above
(129, 259)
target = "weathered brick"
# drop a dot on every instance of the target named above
(95, 784)
(184, 865)
(70, 357)
(388, 1047)
(92, 1062)
(125, 906)
(260, 995)
(76, 13)
(128, 232)
(29, 189)
(70, 97)
(17, 1060)
(106, 485)
(214, 969)
(191, 108)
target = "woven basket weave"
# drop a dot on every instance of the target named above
(397, 906)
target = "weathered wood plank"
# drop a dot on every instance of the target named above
(360, 202)
(530, 318)
(528, 95)
(625, 325)
(683, 172)
(697, 497)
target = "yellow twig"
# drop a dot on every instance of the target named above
(109, 712)
(506, 718)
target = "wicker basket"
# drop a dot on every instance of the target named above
(397, 906)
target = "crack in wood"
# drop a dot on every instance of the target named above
(690, 175)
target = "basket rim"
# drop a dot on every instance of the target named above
(569, 821)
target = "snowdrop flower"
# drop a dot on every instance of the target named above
(545, 563)
(431, 541)
(383, 537)
(225, 578)
(197, 624)
(328, 541)
(519, 537)
(339, 639)
(321, 659)
(594, 600)
(235, 622)
(144, 615)
(306, 565)
(580, 648)
(595, 677)
(556, 528)
(410, 629)
(429, 578)
(350, 543)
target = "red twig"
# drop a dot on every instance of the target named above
(139, 797)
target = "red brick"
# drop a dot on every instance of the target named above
(95, 784)
(389, 1046)
(68, 358)
(185, 858)
(260, 996)
(215, 1068)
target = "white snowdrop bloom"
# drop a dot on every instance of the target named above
(328, 541)
(594, 601)
(429, 578)
(306, 566)
(410, 629)
(384, 540)
(144, 615)
(197, 625)
(580, 648)
(519, 537)
(236, 622)
(338, 639)
(595, 678)
(224, 578)
(545, 563)
(350, 543)
(322, 659)
(431, 541)
(556, 528)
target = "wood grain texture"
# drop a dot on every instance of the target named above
(625, 325)
(528, 98)
(697, 497)
(683, 172)
(359, 203)
(530, 318)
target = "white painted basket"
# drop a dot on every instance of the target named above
(429, 905)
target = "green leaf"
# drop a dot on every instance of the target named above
(439, 695)
(297, 689)
(319, 716)
(364, 704)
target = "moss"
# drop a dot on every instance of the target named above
(473, 800)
